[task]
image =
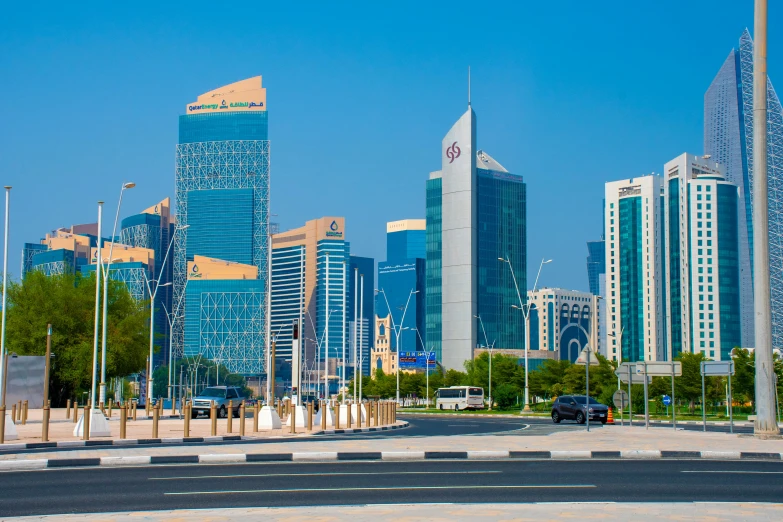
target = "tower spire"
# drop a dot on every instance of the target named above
(468, 85)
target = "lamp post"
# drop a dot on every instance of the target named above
(620, 353)
(3, 376)
(152, 312)
(99, 263)
(490, 348)
(427, 371)
(526, 313)
(398, 330)
(172, 317)
(125, 186)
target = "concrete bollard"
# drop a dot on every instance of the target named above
(213, 418)
(256, 411)
(280, 409)
(368, 415)
(337, 416)
(323, 415)
(310, 416)
(186, 416)
(134, 407)
(155, 420)
(242, 419)
(45, 424)
(13, 413)
(123, 420)
(86, 423)
(75, 412)
(109, 409)
(68, 409)
(173, 406)
(394, 412)
(230, 417)
(24, 412)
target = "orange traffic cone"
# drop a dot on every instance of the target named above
(610, 417)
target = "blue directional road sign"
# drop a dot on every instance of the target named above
(667, 400)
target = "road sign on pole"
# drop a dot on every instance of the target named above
(667, 400)
(620, 399)
(717, 368)
(660, 368)
(636, 378)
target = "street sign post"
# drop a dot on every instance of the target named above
(660, 369)
(626, 371)
(667, 400)
(717, 368)
(620, 400)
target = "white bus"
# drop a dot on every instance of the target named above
(460, 398)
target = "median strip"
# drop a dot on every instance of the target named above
(374, 456)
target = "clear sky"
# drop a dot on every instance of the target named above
(360, 94)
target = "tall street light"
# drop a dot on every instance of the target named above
(427, 366)
(99, 263)
(526, 313)
(490, 348)
(765, 424)
(620, 353)
(3, 376)
(398, 330)
(152, 312)
(125, 186)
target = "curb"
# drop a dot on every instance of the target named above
(742, 424)
(329, 456)
(70, 444)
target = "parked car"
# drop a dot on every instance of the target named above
(575, 407)
(221, 395)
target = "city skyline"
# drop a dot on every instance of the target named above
(507, 88)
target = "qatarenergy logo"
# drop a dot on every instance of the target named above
(333, 230)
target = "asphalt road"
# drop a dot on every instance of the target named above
(58, 491)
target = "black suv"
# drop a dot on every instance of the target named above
(572, 407)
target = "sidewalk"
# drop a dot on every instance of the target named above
(169, 427)
(716, 511)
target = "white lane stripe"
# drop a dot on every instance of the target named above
(329, 474)
(737, 472)
(400, 488)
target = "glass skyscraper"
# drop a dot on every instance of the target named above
(476, 213)
(702, 247)
(222, 194)
(403, 272)
(728, 138)
(596, 265)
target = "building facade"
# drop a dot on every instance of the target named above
(635, 269)
(728, 138)
(402, 283)
(222, 195)
(325, 315)
(361, 278)
(563, 322)
(702, 258)
(475, 215)
(153, 228)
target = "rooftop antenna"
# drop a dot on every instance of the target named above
(468, 85)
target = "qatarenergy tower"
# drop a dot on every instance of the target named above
(728, 138)
(221, 264)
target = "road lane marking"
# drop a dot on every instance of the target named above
(737, 472)
(329, 474)
(395, 488)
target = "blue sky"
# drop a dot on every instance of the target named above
(360, 94)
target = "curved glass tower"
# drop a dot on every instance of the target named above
(222, 195)
(728, 138)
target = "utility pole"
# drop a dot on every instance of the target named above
(765, 424)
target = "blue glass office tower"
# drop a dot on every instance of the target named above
(728, 138)
(476, 214)
(362, 266)
(222, 194)
(404, 272)
(596, 265)
(152, 228)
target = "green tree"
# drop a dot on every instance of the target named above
(505, 396)
(68, 303)
(688, 386)
(547, 379)
(743, 382)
